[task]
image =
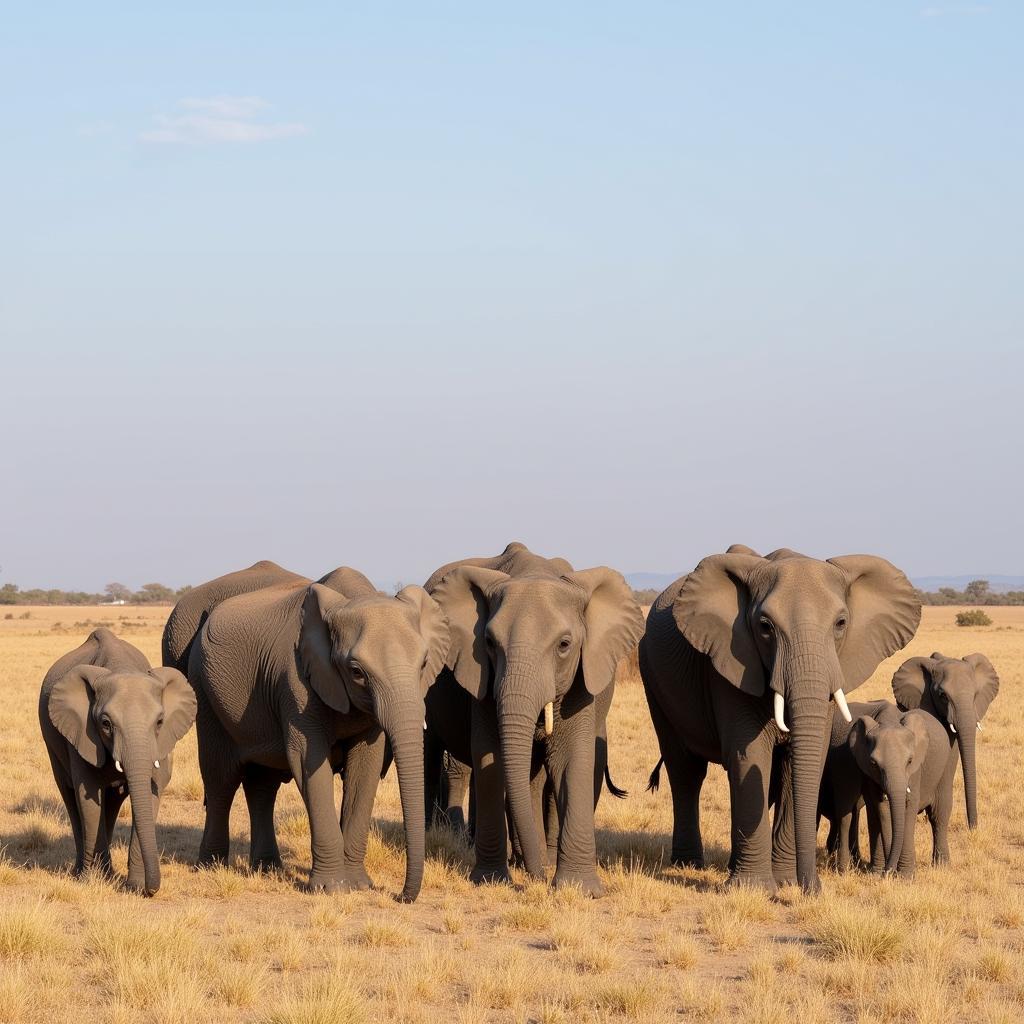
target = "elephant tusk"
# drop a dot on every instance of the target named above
(424, 725)
(117, 765)
(980, 728)
(953, 728)
(156, 764)
(908, 789)
(780, 713)
(844, 709)
(549, 718)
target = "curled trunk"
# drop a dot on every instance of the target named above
(517, 727)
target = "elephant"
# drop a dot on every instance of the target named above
(847, 784)
(742, 655)
(298, 679)
(447, 782)
(957, 692)
(906, 765)
(524, 696)
(110, 723)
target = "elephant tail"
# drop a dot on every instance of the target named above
(655, 780)
(621, 794)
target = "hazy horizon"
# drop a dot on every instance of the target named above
(388, 288)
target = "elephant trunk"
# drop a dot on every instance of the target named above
(518, 712)
(138, 771)
(404, 728)
(895, 788)
(966, 726)
(808, 725)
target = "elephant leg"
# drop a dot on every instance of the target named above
(113, 799)
(67, 794)
(434, 758)
(940, 812)
(457, 776)
(854, 844)
(89, 801)
(363, 760)
(551, 827)
(491, 836)
(260, 786)
(908, 855)
(784, 824)
(221, 771)
(136, 867)
(843, 848)
(310, 763)
(749, 771)
(570, 761)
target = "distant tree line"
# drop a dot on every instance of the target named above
(113, 593)
(976, 592)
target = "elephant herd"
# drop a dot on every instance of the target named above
(507, 665)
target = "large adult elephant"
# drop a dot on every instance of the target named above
(957, 692)
(299, 678)
(745, 653)
(526, 689)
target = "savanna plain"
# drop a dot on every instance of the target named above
(663, 944)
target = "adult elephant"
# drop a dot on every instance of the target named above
(526, 689)
(957, 692)
(299, 678)
(745, 653)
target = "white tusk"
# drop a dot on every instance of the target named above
(424, 725)
(549, 718)
(953, 727)
(908, 789)
(117, 765)
(156, 764)
(780, 713)
(980, 728)
(844, 709)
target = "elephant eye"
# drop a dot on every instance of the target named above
(840, 624)
(564, 644)
(358, 675)
(160, 722)
(766, 625)
(105, 724)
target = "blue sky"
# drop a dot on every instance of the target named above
(390, 284)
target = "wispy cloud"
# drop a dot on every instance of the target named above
(949, 10)
(220, 119)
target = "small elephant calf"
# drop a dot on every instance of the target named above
(110, 722)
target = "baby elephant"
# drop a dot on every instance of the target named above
(110, 722)
(903, 763)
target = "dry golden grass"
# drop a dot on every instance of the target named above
(664, 944)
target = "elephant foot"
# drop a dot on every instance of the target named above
(355, 879)
(688, 860)
(138, 886)
(327, 883)
(211, 858)
(738, 880)
(482, 874)
(585, 880)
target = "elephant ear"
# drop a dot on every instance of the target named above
(911, 682)
(884, 614)
(711, 611)
(316, 646)
(916, 725)
(986, 682)
(857, 742)
(179, 701)
(70, 710)
(464, 594)
(433, 627)
(613, 622)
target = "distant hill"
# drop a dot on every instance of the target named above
(998, 584)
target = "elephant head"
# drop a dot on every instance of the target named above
(523, 640)
(805, 630)
(889, 754)
(957, 691)
(378, 655)
(133, 719)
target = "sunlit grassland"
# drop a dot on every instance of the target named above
(664, 944)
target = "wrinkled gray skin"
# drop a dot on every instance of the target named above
(298, 678)
(528, 631)
(872, 760)
(101, 705)
(720, 643)
(956, 692)
(904, 764)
